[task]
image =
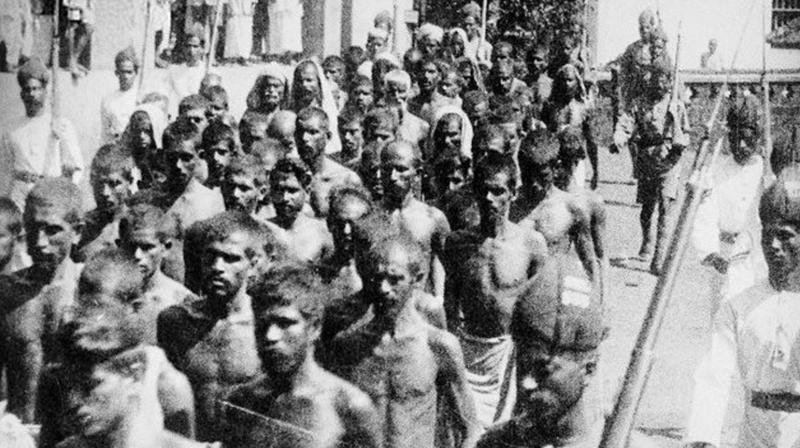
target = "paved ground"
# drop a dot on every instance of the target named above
(686, 325)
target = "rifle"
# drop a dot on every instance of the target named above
(55, 104)
(144, 48)
(619, 424)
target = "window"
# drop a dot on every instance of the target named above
(783, 12)
(785, 24)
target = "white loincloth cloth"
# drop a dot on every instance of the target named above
(492, 376)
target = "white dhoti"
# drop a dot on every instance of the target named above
(239, 29)
(285, 26)
(745, 265)
(491, 375)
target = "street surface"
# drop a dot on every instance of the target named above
(686, 325)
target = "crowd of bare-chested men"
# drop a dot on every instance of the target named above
(380, 252)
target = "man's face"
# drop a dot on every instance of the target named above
(218, 157)
(274, 91)
(370, 172)
(363, 96)
(502, 54)
(225, 266)
(743, 142)
(511, 131)
(143, 135)
(253, 132)
(375, 45)
(341, 220)
(712, 46)
(240, 192)
(333, 73)
(284, 338)
(111, 190)
(104, 404)
(503, 82)
(541, 177)
(104, 324)
(382, 133)
(311, 136)
(538, 61)
(194, 50)
(287, 196)
(397, 91)
(217, 109)
(494, 196)
(449, 135)
(450, 85)
(472, 27)
(456, 45)
(645, 28)
(429, 77)
(197, 116)
(352, 136)
(493, 144)
(781, 244)
(309, 82)
(33, 94)
(429, 47)
(126, 75)
(389, 282)
(398, 172)
(450, 175)
(182, 161)
(8, 240)
(49, 236)
(549, 384)
(146, 248)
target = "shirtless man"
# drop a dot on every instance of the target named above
(348, 204)
(252, 128)
(115, 408)
(311, 136)
(34, 300)
(245, 184)
(400, 167)
(561, 219)
(219, 144)
(405, 365)
(295, 403)
(111, 178)
(487, 268)
(147, 234)
(304, 237)
(212, 339)
(109, 321)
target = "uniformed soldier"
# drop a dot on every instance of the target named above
(726, 228)
(660, 130)
(757, 335)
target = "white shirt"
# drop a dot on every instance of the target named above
(115, 112)
(748, 331)
(732, 204)
(31, 147)
(184, 81)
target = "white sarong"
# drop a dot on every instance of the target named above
(491, 374)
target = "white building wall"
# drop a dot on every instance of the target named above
(701, 20)
(363, 13)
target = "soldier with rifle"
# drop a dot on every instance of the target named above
(757, 336)
(660, 130)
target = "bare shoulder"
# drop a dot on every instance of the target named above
(461, 240)
(443, 343)
(349, 398)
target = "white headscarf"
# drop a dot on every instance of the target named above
(328, 105)
(466, 129)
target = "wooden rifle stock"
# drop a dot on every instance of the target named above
(55, 104)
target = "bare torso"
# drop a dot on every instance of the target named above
(308, 240)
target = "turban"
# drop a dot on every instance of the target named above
(647, 16)
(127, 55)
(33, 69)
(560, 307)
(379, 33)
(431, 31)
(388, 57)
(471, 9)
(398, 77)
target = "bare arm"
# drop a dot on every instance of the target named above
(360, 420)
(582, 236)
(177, 400)
(452, 306)
(598, 231)
(453, 388)
(437, 248)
